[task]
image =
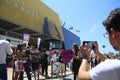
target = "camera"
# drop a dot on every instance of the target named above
(89, 44)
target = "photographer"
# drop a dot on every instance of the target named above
(108, 69)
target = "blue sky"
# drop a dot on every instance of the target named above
(86, 16)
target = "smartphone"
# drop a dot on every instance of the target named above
(89, 44)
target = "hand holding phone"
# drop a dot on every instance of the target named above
(84, 52)
(89, 44)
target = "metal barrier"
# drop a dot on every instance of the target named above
(54, 68)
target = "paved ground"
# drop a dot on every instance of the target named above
(67, 76)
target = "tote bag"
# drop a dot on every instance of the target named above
(19, 66)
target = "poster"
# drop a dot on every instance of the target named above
(67, 55)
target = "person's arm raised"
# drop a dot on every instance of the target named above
(96, 51)
(83, 73)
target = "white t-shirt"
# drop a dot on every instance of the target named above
(107, 70)
(54, 57)
(4, 50)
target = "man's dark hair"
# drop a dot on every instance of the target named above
(8, 40)
(113, 20)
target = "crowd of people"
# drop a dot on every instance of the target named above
(34, 60)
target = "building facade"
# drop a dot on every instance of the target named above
(19, 17)
(70, 38)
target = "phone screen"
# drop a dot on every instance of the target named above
(89, 44)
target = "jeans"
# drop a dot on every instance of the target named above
(45, 68)
(27, 70)
(3, 72)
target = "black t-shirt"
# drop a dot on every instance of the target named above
(60, 59)
(44, 57)
(35, 58)
(26, 54)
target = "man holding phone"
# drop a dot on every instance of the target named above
(108, 69)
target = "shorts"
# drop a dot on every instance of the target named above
(35, 66)
(61, 66)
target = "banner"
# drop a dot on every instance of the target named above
(67, 55)
(26, 38)
(38, 42)
(14, 41)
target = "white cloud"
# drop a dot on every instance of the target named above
(94, 27)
